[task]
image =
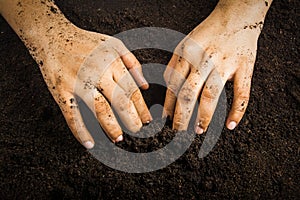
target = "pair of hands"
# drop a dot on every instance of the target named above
(102, 72)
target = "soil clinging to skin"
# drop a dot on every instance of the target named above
(40, 158)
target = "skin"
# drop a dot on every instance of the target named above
(223, 47)
(95, 67)
(100, 70)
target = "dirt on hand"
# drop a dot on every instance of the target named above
(40, 158)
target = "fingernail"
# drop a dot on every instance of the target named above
(231, 125)
(147, 122)
(88, 145)
(198, 130)
(144, 86)
(120, 138)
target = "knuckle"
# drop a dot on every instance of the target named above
(102, 108)
(186, 95)
(179, 49)
(136, 95)
(122, 103)
(211, 92)
(166, 75)
(173, 88)
(119, 44)
(115, 41)
(243, 96)
(133, 90)
(241, 106)
(178, 125)
(111, 126)
(189, 49)
(74, 124)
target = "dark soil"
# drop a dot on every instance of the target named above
(40, 158)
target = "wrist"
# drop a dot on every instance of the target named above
(242, 14)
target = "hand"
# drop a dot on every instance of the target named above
(94, 67)
(218, 50)
(79, 63)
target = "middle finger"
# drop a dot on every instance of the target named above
(121, 103)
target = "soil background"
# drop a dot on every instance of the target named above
(40, 158)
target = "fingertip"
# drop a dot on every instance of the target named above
(119, 139)
(88, 145)
(231, 125)
(199, 130)
(148, 120)
(145, 86)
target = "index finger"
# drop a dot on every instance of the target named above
(177, 78)
(187, 98)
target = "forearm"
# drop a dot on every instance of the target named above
(38, 23)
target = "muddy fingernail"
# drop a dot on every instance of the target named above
(88, 145)
(231, 125)
(120, 138)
